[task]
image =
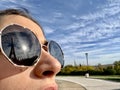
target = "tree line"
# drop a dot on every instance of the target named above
(112, 69)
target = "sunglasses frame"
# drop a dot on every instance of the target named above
(60, 50)
(41, 45)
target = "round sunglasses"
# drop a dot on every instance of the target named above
(22, 48)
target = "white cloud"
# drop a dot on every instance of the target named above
(9, 1)
(12, 1)
(57, 15)
(48, 30)
(96, 26)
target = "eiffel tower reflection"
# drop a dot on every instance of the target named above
(23, 61)
(12, 54)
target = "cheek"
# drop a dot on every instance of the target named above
(7, 69)
(13, 84)
(22, 81)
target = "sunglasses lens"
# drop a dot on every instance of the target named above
(20, 45)
(56, 52)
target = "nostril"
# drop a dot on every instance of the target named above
(48, 73)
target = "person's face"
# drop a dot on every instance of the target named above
(38, 77)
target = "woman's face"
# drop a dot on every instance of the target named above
(38, 77)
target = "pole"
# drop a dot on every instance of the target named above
(87, 73)
(86, 58)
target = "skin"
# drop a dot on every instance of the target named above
(38, 77)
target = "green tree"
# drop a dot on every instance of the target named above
(117, 67)
(109, 71)
(67, 70)
(100, 67)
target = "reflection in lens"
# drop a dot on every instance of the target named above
(56, 51)
(24, 48)
(20, 45)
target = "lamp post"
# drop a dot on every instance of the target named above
(87, 58)
(87, 73)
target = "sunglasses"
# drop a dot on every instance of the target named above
(22, 48)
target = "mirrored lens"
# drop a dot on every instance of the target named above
(20, 45)
(56, 52)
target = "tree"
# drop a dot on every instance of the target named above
(109, 71)
(117, 67)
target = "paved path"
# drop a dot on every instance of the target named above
(88, 83)
(67, 85)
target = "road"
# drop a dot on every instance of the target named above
(82, 83)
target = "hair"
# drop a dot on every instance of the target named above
(19, 11)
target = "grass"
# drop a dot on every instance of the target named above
(115, 78)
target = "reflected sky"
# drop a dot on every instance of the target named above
(79, 26)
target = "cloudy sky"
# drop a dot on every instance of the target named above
(79, 26)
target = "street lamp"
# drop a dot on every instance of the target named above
(87, 58)
(87, 73)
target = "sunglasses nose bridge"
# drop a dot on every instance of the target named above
(45, 48)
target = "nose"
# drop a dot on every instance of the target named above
(47, 66)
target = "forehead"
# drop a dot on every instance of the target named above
(22, 21)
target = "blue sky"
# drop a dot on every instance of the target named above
(79, 26)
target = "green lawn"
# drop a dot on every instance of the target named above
(115, 78)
